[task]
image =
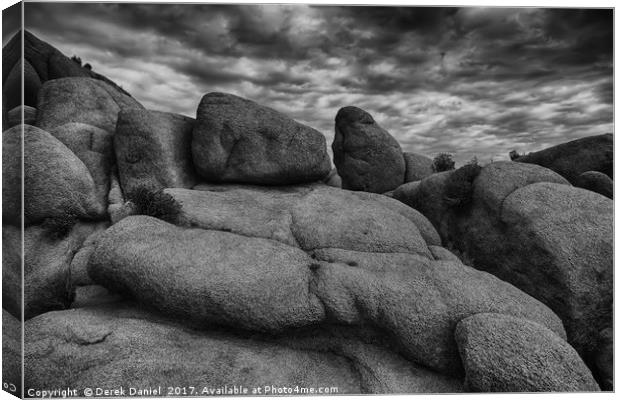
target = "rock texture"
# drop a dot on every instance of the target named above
(265, 285)
(56, 181)
(85, 100)
(604, 359)
(237, 140)
(47, 274)
(122, 345)
(160, 250)
(309, 216)
(571, 159)
(153, 149)
(14, 116)
(501, 353)
(597, 182)
(528, 226)
(367, 157)
(11, 354)
(333, 179)
(417, 167)
(94, 147)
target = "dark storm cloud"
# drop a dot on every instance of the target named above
(477, 81)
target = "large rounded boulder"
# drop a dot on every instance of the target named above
(56, 182)
(237, 140)
(367, 157)
(153, 149)
(597, 182)
(571, 159)
(528, 226)
(501, 353)
(47, 254)
(120, 345)
(303, 271)
(94, 147)
(85, 100)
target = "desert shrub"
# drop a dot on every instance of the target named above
(514, 155)
(460, 185)
(58, 227)
(443, 162)
(88, 66)
(76, 59)
(155, 203)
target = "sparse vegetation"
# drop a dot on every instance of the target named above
(155, 203)
(77, 60)
(514, 155)
(443, 162)
(459, 187)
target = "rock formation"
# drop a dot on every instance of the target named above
(162, 250)
(367, 157)
(571, 159)
(237, 140)
(530, 227)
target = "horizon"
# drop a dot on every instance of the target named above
(472, 82)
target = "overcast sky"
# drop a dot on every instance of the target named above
(469, 81)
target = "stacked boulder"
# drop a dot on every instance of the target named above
(527, 225)
(369, 159)
(67, 162)
(223, 258)
(237, 140)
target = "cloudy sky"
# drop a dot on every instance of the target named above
(469, 81)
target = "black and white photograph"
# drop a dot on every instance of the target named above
(228, 200)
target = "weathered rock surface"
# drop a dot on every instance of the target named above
(310, 217)
(427, 197)
(258, 284)
(604, 359)
(417, 167)
(94, 147)
(597, 182)
(56, 181)
(528, 226)
(501, 353)
(47, 274)
(11, 354)
(153, 149)
(85, 100)
(121, 345)
(237, 140)
(79, 262)
(367, 157)
(14, 116)
(93, 295)
(333, 179)
(568, 235)
(11, 270)
(571, 159)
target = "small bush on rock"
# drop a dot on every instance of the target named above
(460, 185)
(155, 203)
(514, 155)
(443, 162)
